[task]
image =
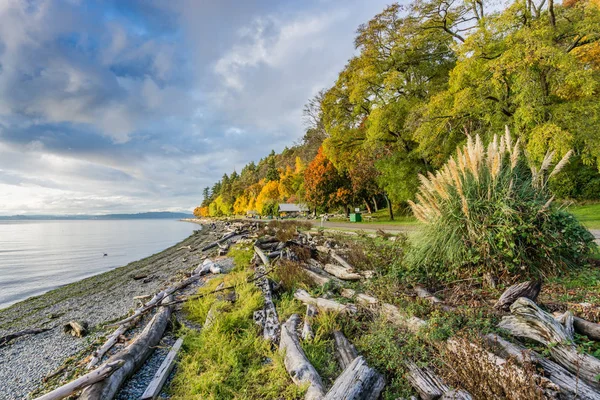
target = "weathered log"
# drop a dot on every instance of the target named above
(426, 382)
(307, 332)
(160, 377)
(529, 289)
(570, 386)
(300, 369)
(361, 298)
(344, 350)
(324, 304)
(587, 328)
(423, 293)
(210, 317)
(76, 328)
(394, 315)
(84, 381)
(156, 300)
(110, 342)
(528, 320)
(262, 256)
(342, 262)
(133, 356)
(357, 382)
(270, 323)
(341, 272)
(566, 320)
(317, 278)
(5, 339)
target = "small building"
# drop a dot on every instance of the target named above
(292, 210)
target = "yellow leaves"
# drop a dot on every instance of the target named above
(268, 194)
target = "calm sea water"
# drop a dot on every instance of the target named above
(36, 256)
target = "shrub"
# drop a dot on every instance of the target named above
(489, 212)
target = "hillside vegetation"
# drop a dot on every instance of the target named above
(426, 76)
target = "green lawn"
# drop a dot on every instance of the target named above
(589, 214)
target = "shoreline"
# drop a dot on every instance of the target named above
(97, 300)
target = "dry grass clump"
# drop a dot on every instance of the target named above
(469, 366)
(488, 211)
(285, 230)
(291, 275)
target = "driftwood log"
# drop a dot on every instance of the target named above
(160, 377)
(76, 328)
(133, 356)
(222, 240)
(529, 321)
(360, 298)
(300, 369)
(323, 304)
(587, 328)
(270, 319)
(357, 382)
(5, 339)
(570, 386)
(342, 272)
(84, 381)
(110, 342)
(529, 289)
(344, 350)
(307, 332)
(394, 315)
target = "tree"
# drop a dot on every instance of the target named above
(322, 181)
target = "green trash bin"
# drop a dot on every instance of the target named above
(355, 217)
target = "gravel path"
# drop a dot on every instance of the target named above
(96, 300)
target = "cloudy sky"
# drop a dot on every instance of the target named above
(128, 106)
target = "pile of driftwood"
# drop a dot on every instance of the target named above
(568, 374)
(104, 381)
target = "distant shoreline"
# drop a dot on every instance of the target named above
(87, 217)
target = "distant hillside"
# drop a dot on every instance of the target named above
(145, 215)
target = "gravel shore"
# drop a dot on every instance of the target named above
(96, 300)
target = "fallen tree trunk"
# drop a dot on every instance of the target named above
(587, 328)
(341, 272)
(357, 382)
(394, 315)
(361, 298)
(570, 386)
(83, 381)
(270, 321)
(160, 377)
(5, 339)
(345, 351)
(300, 369)
(528, 320)
(426, 382)
(222, 240)
(110, 342)
(529, 289)
(133, 356)
(317, 278)
(342, 262)
(307, 332)
(323, 304)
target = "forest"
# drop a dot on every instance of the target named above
(425, 77)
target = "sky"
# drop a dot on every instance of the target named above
(137, 105)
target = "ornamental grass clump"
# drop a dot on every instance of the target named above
(489, 212)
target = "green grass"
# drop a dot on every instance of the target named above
(588, 215)
(383, 217)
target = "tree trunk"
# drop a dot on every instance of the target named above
(342, 273)
(587, 328)
(529, 321)
(300, 369)
(133, 356)
(529, 289)
(83, 381)
(271, 324)
(389, 204)
(307, 332)
(357, 382)
(375, 204)
(367, 205)
(324, 304)
(344, 350)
